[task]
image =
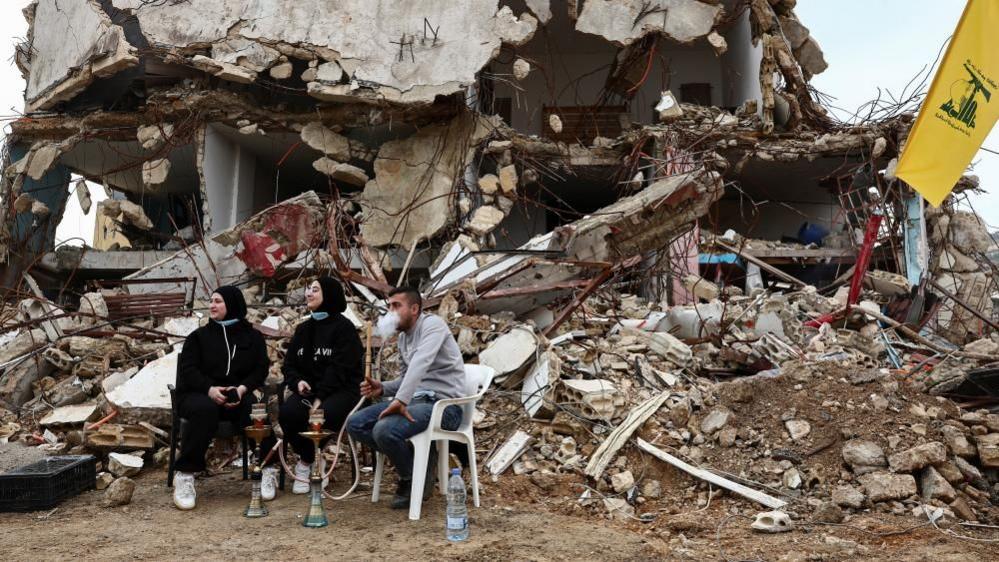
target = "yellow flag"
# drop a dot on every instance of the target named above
(960, 109)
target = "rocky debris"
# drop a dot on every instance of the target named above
(848, 496)
(622, 481)
(933, 486)
(918, 457)
(104, 479)
(798, 429)
(119, 492)
(121, 464)
(828, 512)
(864, 456)
(883, 486)
(772, 522)
(988, 449)
(715, 420)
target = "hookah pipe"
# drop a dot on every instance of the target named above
(353, 450)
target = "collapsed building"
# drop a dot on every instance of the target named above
(511, 157)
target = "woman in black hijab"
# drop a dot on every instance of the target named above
(323, 367)
(220, 366)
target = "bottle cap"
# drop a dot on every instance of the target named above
(455, 471)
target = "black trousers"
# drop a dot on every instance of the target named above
(203, 417)
(294, 417)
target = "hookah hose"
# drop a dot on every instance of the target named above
(279, 449)
(278, 446)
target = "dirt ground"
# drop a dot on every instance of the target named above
(502, 529)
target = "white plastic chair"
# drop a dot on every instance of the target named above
(477, 381)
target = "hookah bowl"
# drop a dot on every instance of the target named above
(257, 432)
(316, 516)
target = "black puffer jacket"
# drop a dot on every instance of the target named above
(203, 363)
(328, 355)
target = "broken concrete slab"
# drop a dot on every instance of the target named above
(918, 457)
(413, 179)
(628, 21)
(862, 454)
(74, 415)
(484, 220)
(119, 492)
(117, 437)
(510, 353)
(934, 486)
(60, 69)
(121, 464)
(622, 481)
(883, 486)
(988, 450)
(155, 172)
(848, 496)
(145, 396)
(332, 144)
(633, 225)
(128, 212)
(596, 399)
(508, 179)
(508, 452)
(346, 173)
(435, 68)
(540, 386)
(262, 243)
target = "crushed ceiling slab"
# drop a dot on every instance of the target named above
(625, 21)
(255, 247)
(61, 68)
(631, 226)
(384, 46)
(409, 198)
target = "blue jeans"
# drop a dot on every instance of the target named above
(388, 435)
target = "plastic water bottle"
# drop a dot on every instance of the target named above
(457, 512)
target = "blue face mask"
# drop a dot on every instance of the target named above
(320, 315)
(227, 323)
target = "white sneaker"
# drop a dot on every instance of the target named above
(184, 496)
(268, 483)
(301, 485)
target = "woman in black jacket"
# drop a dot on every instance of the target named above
(220, 366)
(323, 367)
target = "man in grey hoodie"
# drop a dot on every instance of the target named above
(433, 370)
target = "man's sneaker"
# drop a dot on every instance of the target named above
(301, 485)
(184, 496)
(401, 498)
(268, 483)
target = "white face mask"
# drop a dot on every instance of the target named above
(388, 325)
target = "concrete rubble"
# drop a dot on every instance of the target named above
(667, 331)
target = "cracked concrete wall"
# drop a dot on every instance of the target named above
(362, 36)
(72, 42)
(410, 197)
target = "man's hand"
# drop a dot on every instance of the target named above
(304, 389)
(217, 394)
(316, 403)
(396, 408)
(370, 388)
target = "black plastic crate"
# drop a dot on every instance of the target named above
(43, 484)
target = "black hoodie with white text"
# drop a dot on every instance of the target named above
(327, 354)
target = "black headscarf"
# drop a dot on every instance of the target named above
(334, 301)
(235, 304)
